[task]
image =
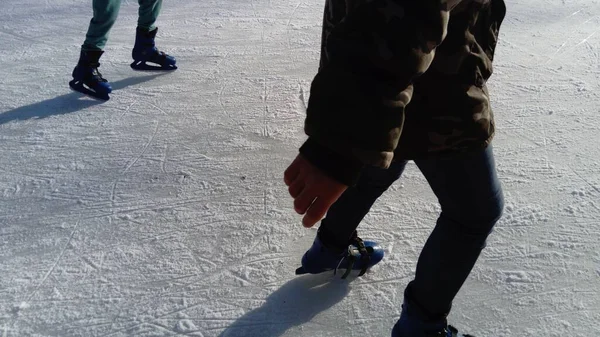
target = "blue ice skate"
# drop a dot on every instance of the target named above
(86, 77)
(144, 52)
(414, 323)
(360, 255)
(445, 331)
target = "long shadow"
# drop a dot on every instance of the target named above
(295, 303)
(67, 103)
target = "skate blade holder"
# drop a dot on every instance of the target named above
(144, 66)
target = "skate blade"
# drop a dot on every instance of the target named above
(79, 87)
(341, 273)
(302, 271)
(142, 65)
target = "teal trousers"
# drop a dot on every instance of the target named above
(105, 15)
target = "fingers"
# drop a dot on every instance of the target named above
(296, 187)
(316, 212)
(295, 178)
(292, 172)
(303, 201)
(312, 190)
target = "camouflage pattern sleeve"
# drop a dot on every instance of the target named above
(372, 50)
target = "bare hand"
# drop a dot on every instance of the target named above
(312, 190)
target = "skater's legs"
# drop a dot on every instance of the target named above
(348, 211)
(148, 13)
(105, 15)
(471, 199)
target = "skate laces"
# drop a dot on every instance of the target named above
(96, 73)
(357, 251)
(154, 53)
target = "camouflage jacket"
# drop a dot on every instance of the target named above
(401, 79)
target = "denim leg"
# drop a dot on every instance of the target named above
(347, 212)
(471, 199)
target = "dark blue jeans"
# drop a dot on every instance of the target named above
(471, 199)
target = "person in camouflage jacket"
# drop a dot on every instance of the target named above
(402, 80)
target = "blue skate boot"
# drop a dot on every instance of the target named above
(414, 322)
(359, 255)
(86, 77)
(145, 51)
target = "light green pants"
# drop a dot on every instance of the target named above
(105, 15)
